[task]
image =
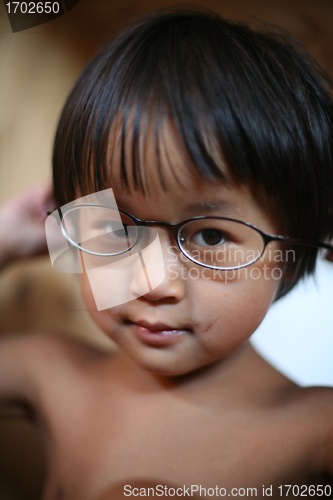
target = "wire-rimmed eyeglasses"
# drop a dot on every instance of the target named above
(214, 242)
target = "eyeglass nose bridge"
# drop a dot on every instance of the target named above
(172, 228)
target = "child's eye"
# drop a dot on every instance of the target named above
(209, 237)
(110, 237)
(118, 232)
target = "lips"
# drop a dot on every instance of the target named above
(157, 334)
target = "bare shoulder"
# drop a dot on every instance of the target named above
(31, 365)
(302, 416)
(310, 412)
(48, 348)
(317, 404)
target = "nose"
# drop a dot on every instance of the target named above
(159, 278)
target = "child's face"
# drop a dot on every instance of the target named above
(194, 318)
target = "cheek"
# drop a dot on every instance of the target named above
(103, 319)
(228, 312)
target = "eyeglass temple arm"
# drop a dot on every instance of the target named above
(292, 241)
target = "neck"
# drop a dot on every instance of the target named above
(196, 383)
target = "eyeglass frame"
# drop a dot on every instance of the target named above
(175, 231)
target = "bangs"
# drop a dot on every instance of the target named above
(150, 133)
(128, 119)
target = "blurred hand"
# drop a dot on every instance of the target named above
(22, 218)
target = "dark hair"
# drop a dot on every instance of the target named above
(256, 96)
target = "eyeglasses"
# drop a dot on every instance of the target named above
(214, 242)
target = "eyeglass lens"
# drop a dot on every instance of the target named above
(220, 243)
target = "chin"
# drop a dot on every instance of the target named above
(171, 368)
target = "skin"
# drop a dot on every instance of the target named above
(203, 408)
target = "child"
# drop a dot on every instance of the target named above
(211, 138)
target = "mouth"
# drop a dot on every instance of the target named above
(157, 334)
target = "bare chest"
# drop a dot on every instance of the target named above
(109, 453)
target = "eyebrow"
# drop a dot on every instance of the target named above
(209, 207)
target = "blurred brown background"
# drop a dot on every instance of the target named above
(37, 69)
